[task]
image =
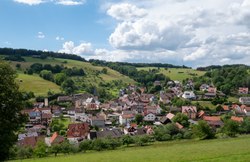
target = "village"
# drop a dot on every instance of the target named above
(133, 113)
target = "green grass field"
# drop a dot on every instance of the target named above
(88, 67)
(218, 150)
(36, 84)
(177, 73)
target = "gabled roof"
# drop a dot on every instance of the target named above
(170, 116)
(187, 109)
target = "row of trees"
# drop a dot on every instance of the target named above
(39, 54)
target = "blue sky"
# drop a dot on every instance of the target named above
(190, 32)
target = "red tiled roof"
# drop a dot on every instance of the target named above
(225, 107)
(211, 118)
(53, 137)
(77, 130)
(179, 125)
(201, 113)
(237, 119)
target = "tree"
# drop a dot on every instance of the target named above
(182, 119)
(104, 71)
(138, 118)
(59, 78)
(55, 149)
(85, 145)
(11, 104)
(127, 139)
(68, 86)
(40, 149)
(245, 126)
(202, 130)
(231, 128)
(47, 75)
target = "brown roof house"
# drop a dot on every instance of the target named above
(190, 111)
(213, 121)
(77, 132)
(243, 90)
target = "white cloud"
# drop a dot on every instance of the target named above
(126, 11)
(58, 38)
(184, 32)
(70, 2)
(40, 35)
(82, 49)
(30, 2)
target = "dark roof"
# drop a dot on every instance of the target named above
(114, 133)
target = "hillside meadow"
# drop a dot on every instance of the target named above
(176, 73)
(36, 84)
(218, 150)
(88, 67)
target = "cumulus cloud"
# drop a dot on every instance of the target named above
(40, 35)
(82, 49)
(30, 2)
(184, 32)
(126, 11)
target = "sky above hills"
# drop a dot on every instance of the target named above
(189, 32)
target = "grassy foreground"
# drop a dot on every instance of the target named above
(233, 149)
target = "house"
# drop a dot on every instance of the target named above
(91, 104)
(98, 121)
(64, 98)
(244, 100)
(225, 108)
(106, 133)
(204, 87)
(245, 109)
(190, 111)
(212, 90)
(34, 115)
(243, 90)
(149, 117)
(30, 141)
(138, 108)
(55, 139)
(201, 114)
(77, 132)
(46, 118)
(179, 125)
(167, 119)
(209, 95)
(126, 118)
(189, 95)
(28, 134)
(237, 119)
(156, 109)
(166, 97)
(213, 121)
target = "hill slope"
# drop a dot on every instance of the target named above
(93, 76)
(176, 73)
(36, 84)
(222, 150)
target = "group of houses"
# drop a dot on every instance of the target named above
(117, 117)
